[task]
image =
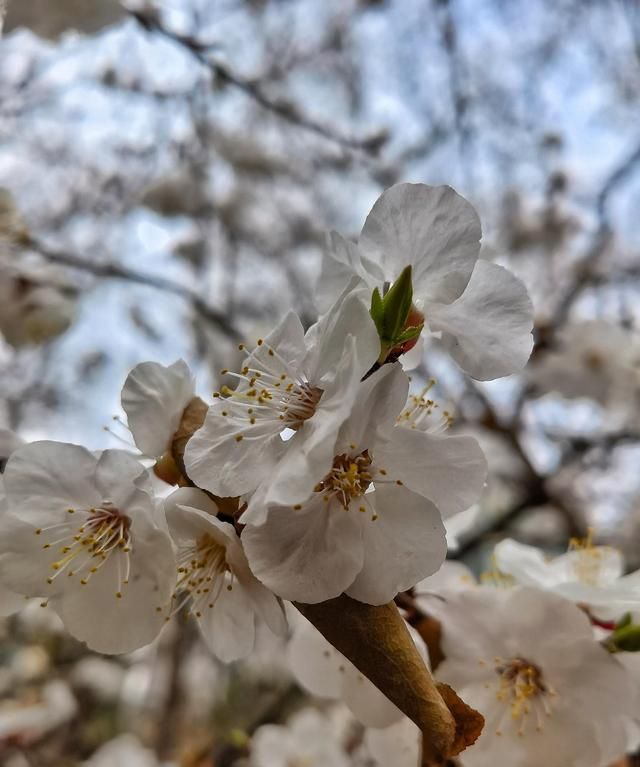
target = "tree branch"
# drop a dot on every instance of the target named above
(120, 272)
(287, 111)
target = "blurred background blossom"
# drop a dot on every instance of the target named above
(168, 171)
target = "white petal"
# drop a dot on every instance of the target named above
(229, 626)
(342, 267)
(119, 478)
(399, 745)
(48, 477)
(381, 399)
(24, 564)
(448, 470)
(308, 555)
(314, 662)
(367, 703)
(405, 544)
(452, 576)
(430, 227)
(226, 466)
(94, 615)
(488, 329)
(189, 514)
(154, 398)
(326, 339)
(526, 564)
(287, 339)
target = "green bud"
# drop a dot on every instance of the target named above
(377, 311)
(392, 314)
(624, 639)
(624, 621)
(397, 305)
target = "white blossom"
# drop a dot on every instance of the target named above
(126, 751)
(213, 575)
(527, 660)
(399, 745)
(154, 398)
(480, 310)
(586, 574)
(594, 359)
(309, 738)
(291, 381)
(84, 533)
(371, 524)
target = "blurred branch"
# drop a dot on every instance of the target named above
(120, 272)
(254, 89)
(600, 240)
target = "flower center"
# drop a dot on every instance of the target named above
(299, 404)
(524, 691)
(271, 391)
(202, 572)
(424, 412)
(104, 532)
(587, 560)
(348, 479)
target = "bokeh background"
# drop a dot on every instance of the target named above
(176, 165)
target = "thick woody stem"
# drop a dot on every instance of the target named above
(376, 640)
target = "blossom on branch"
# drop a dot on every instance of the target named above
(481, 312)
(214, 578)
(84, 534)
(528, 661)
(369, 526)
(304, 383)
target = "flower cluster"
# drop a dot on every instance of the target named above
(317, 471)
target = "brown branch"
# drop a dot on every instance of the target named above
(116, 271)
(285, 110)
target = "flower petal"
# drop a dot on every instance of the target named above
(342, 267)
(381, 399)
(403, 545)
(45, 478)
(326, 339)
(228, 456)
(488, 329)
(527, 564)
(433, 229)
(119, 477)
(448, 470)
(308, 555)
(154, 398)
(229, 626)
(94, 615)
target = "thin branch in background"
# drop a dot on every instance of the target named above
(287, 111)
(120, 272)
(599, 242)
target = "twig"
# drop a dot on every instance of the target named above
(120, 272)
(254, 89)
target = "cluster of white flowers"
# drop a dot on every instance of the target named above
(316, 472)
